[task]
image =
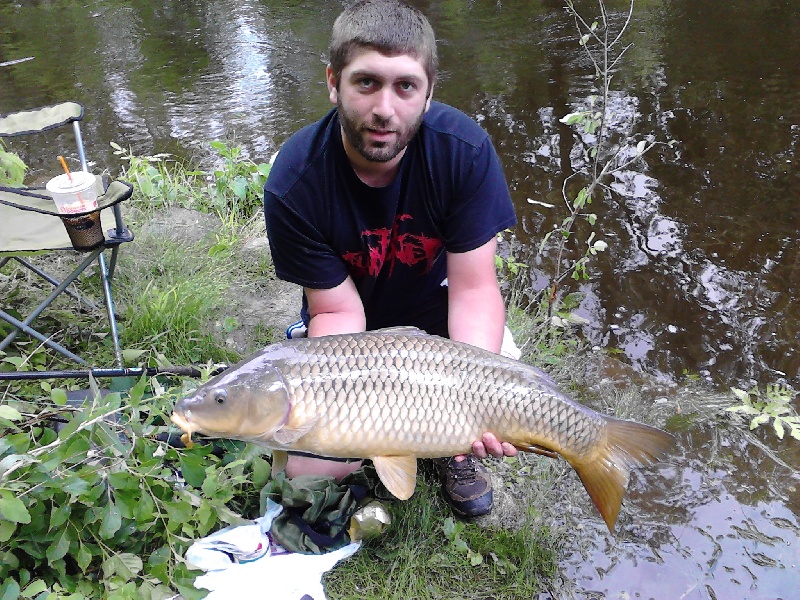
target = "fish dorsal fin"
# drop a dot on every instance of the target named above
(398, 474)
(286, 436)
(406, 329)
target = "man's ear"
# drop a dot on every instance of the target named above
(330, 79)
(428, 101)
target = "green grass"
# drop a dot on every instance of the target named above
(172, 298)
(422, 557)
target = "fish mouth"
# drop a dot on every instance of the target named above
(181, 421)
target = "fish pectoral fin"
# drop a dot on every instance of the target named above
(279, 460)
(398, 474)
(286, 436)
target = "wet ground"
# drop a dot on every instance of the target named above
(697, 292)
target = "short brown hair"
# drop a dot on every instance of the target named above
(388, 26)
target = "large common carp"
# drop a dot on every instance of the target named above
(398, 394)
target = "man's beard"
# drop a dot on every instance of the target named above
(376, 153)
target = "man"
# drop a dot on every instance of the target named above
(386, 211)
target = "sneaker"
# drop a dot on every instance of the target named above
(296, 331)
(466, 485)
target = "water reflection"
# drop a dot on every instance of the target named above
(717, 520)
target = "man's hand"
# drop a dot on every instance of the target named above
(489, 444)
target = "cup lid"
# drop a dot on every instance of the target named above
(71, 183)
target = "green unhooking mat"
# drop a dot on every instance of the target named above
(317, 510)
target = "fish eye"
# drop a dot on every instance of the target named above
(220, 396)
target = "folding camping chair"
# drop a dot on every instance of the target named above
(30, 225)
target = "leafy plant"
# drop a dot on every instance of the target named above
(452, 531)
(12, 168)
(774, 405)
(233, 190)
(92, 504)
(159, 180)
(238, 189)
(602, 156)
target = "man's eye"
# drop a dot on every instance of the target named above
(407, 86)
(365, 82)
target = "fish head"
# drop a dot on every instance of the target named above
(248, 402)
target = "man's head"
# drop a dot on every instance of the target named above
(387, 26)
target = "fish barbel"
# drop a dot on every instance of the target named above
(396, 395)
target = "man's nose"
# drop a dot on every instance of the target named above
(383, 108)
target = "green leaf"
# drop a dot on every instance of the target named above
(239, 187)
(778, 428)
(572, 118)
(58, 396)
(112, 520)
(59, 515)
(37, 586)
(7, 529)
(193, 469)
(132, 563)
(7, 412)
(59, 547)
(10, 590)
(83, 557)
(13, 509)
(741, 395)
(130, 355)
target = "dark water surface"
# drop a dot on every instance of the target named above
(702, 273)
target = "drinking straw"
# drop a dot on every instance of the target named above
(66, 168)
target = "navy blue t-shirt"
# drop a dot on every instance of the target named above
(324, 223)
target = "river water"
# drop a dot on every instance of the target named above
(702, 273)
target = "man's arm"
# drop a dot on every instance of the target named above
(477, 316)
(476, 312)
(335, 310)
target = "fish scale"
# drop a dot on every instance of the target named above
(396, 395)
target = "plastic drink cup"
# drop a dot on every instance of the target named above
(74, 192)
(75, 195)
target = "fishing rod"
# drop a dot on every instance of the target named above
(182, 371)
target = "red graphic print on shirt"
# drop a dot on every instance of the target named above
(389, 246)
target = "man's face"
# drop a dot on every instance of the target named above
(381, 101)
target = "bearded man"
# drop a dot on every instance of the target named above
(387, 212)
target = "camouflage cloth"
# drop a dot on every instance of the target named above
(317, 510)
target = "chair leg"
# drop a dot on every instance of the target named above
(20, 326)
(53, 280)
(39, 309)
(105, 279)
(112, 264)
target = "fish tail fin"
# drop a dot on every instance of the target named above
(627, 445)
